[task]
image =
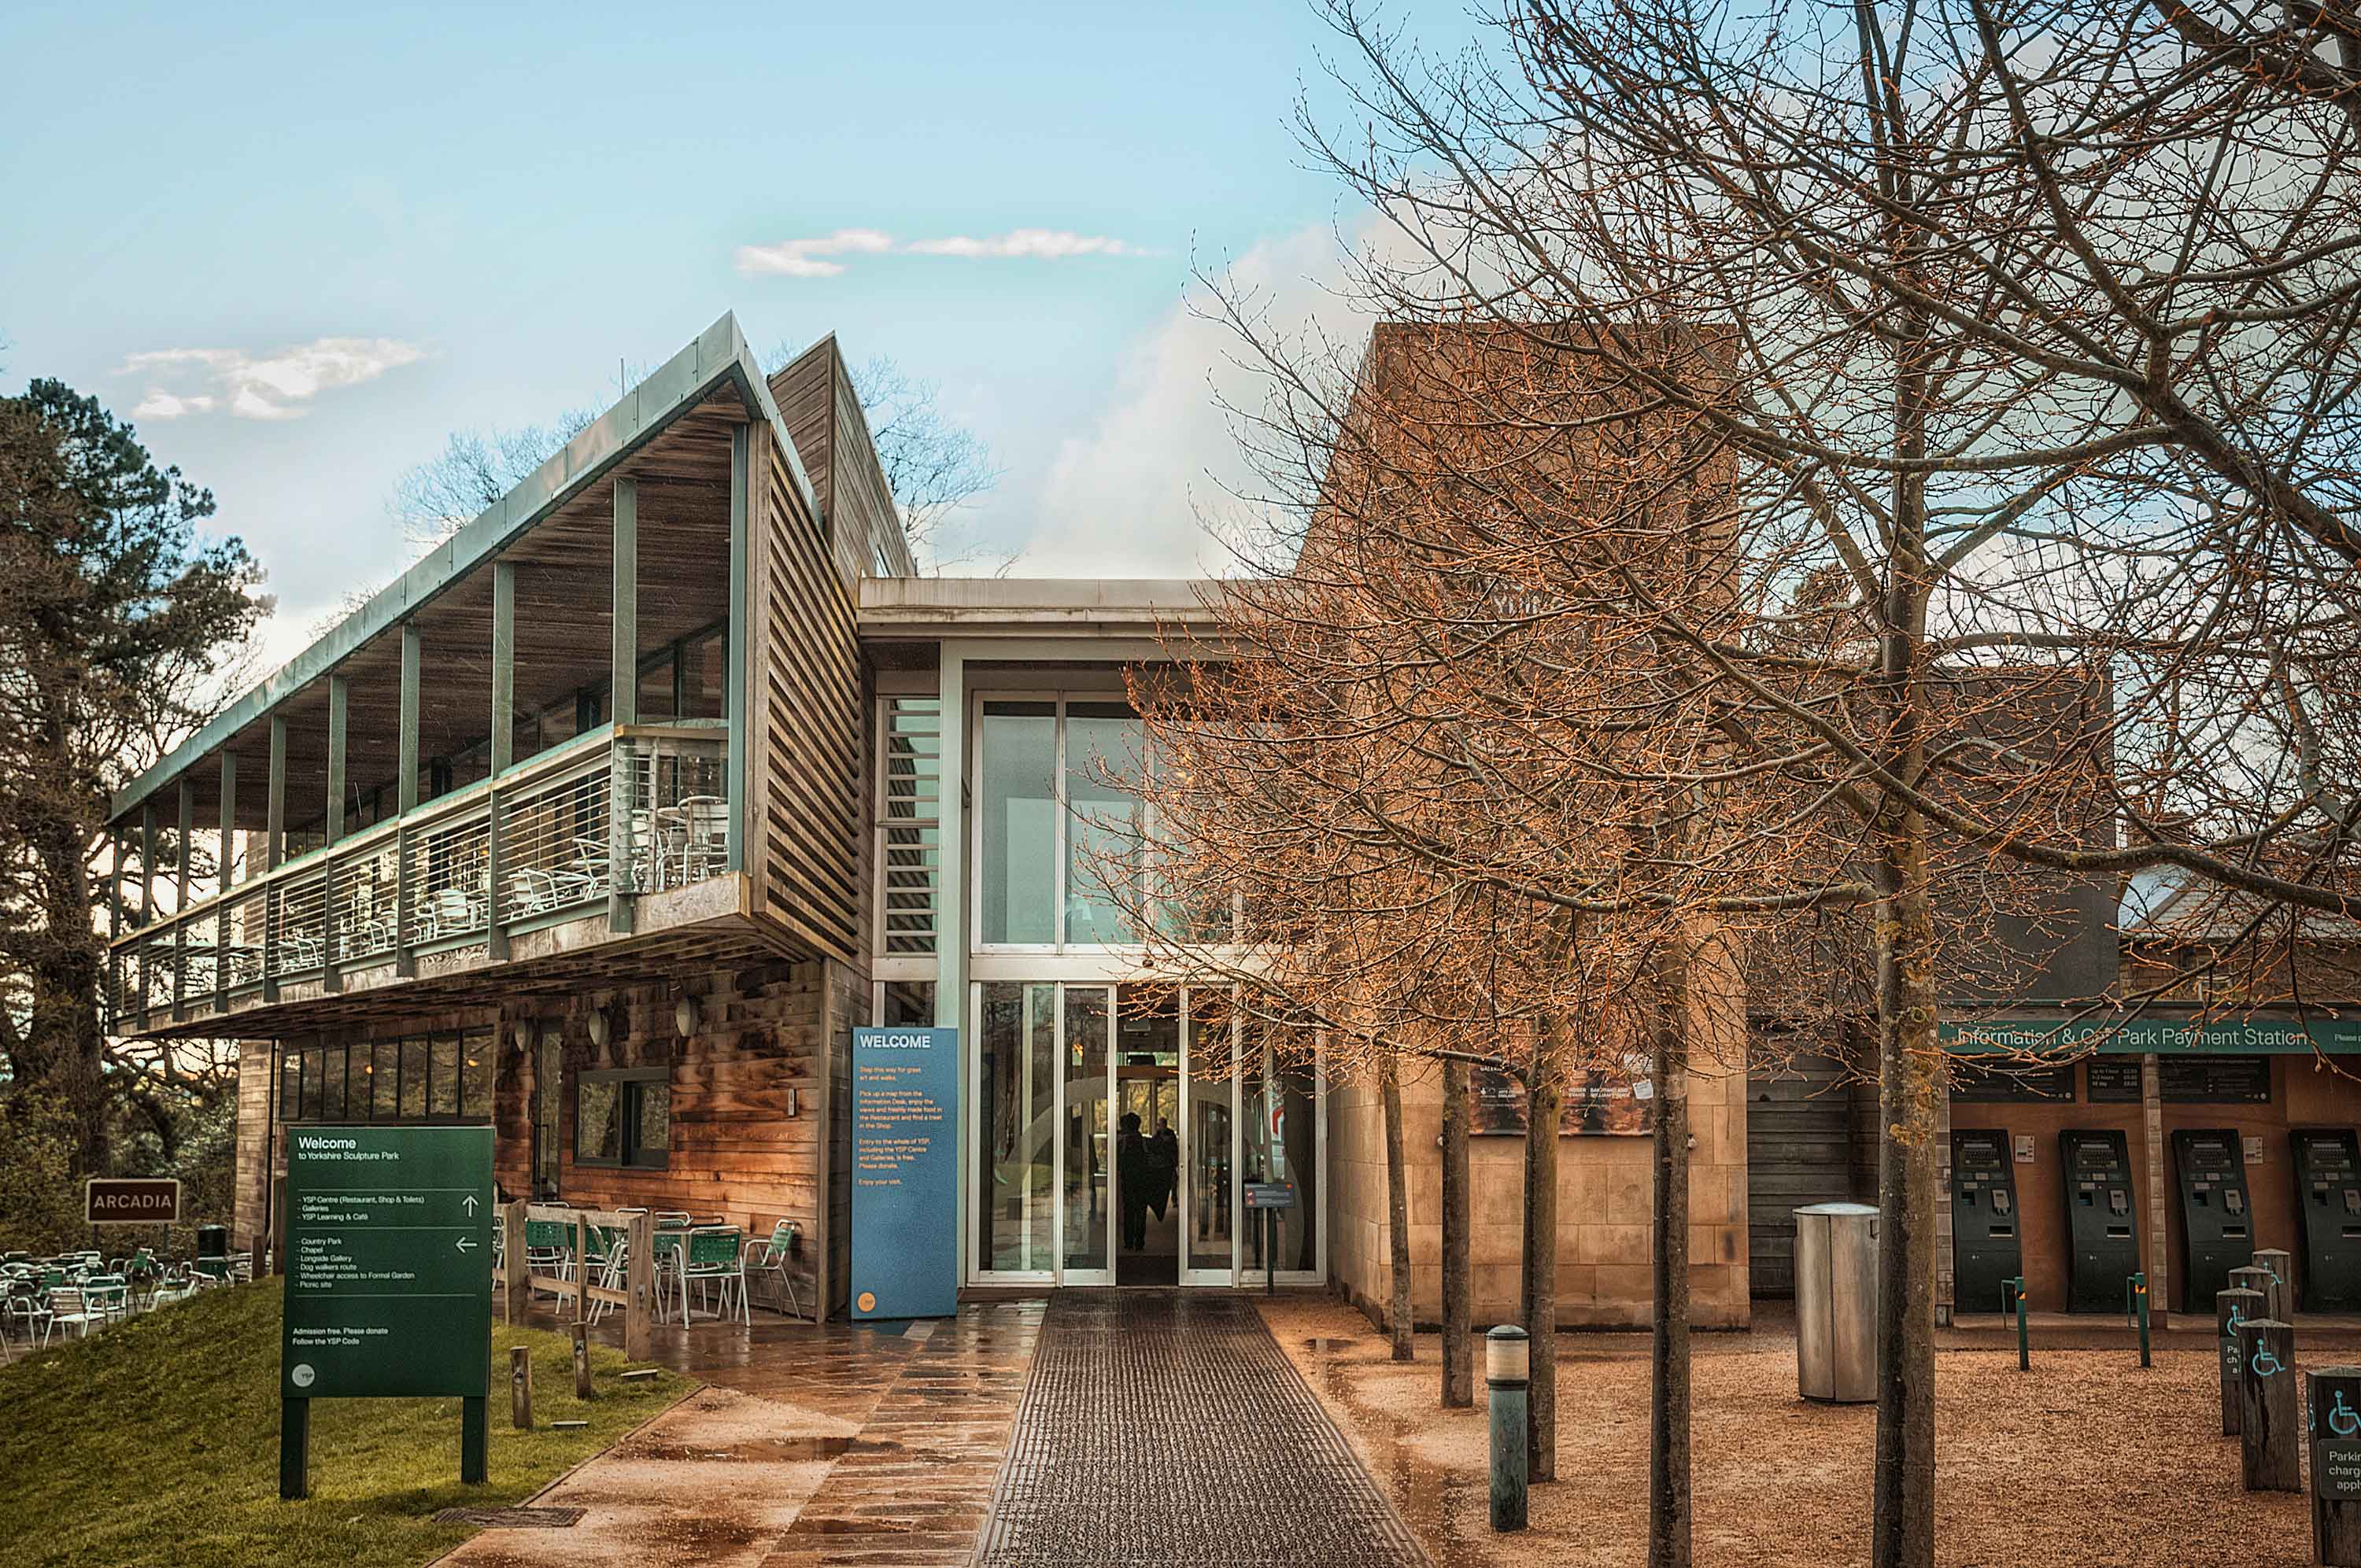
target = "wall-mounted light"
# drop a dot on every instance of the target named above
(794, 1099)
(684, 1016)
(600, 1027)
(528, 1035)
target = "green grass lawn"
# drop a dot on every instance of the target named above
(156, 1441)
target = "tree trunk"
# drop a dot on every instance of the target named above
(1458, 1343)
(1538, 1286)
(1398, 1311)
(1910, 1081)
(1668, 1416)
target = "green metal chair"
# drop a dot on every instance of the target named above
(710, 1257)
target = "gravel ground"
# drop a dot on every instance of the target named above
(2087, 1462)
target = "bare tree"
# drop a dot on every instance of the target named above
(934, 465)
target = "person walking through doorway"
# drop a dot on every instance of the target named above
(1163, 1167)
(1133, 1181)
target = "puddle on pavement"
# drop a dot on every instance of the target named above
(1438, 1505)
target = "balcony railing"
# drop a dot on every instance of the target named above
(608, 815)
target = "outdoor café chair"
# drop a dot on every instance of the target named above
(70, 1311)
(106, 1297)
(549, 1248)
(715, 1258)
(774, 1259)
(665, 1257)
(32, 1313)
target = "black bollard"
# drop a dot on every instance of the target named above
(2232, 1308)
(1508, 1371)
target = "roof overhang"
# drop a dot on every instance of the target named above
(1177, 611)
(719, 356)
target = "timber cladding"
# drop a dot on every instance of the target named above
(733, 1152)
(806, 815)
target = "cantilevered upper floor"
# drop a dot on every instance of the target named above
(610, 728)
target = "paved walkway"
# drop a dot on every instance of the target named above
(844, 1443)
(1165, 1427)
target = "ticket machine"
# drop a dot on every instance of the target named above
(2101, 1225)
(1985, 1247)
(2328, 1217)
(2217, 1223)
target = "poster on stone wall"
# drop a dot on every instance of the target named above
(1599, 1102)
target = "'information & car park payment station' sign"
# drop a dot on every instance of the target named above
(389, 1263)
(905, 1173)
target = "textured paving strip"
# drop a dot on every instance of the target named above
(1166, 1426)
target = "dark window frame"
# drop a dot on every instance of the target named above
(631, 1085)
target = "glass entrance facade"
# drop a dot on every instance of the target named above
(1111, 1131)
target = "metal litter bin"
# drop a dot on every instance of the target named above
(1836, 1302)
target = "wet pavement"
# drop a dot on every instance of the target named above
(841, 1443)
(1164, 1426)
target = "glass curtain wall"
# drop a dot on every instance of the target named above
(1056, 1067)
(1056, 831)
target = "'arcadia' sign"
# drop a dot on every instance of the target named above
(389, 1263)
(132, 1200)
(905, 1173)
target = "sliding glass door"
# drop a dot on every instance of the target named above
(1056, 1070)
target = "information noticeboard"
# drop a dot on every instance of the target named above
(389, 1263)
(905, 1173)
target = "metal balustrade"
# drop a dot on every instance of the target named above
(676, 789)
(650, 800)
(554, 848)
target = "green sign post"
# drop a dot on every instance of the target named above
(388, 1278)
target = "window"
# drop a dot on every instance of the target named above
(1018, 822)
(413, 1078)
(1059, 838)
(475, 1074)
(624, 1118)
(1105, 830)
(442, 1077)
(385, 1081)
(332, 1084)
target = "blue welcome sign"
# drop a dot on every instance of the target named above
(905, 1173)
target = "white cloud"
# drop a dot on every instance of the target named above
(161, 405)
(805, 258)
(1044, 244)
(1128, 497)
(272, 386)
(812, 258)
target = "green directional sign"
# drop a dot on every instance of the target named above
(389, 1263)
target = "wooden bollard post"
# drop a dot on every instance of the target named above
(2336, 1466)
(515, 1286)
(2255, 1279)
(2270, 1460)
(640, 1285)
(2232, 1308)
(2280, 1290)
(520, 1387)
(582, 1361)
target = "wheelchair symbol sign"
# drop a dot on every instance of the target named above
(2265, 1364)
(2343, 1420)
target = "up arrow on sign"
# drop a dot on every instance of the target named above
(470, 1201)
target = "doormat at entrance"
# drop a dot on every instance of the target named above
(512, 1518)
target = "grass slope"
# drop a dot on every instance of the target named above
(156, 1442)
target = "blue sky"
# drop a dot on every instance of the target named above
(311, 241)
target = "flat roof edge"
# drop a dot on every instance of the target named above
(718, 353)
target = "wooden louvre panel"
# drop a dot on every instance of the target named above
(804, 710)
